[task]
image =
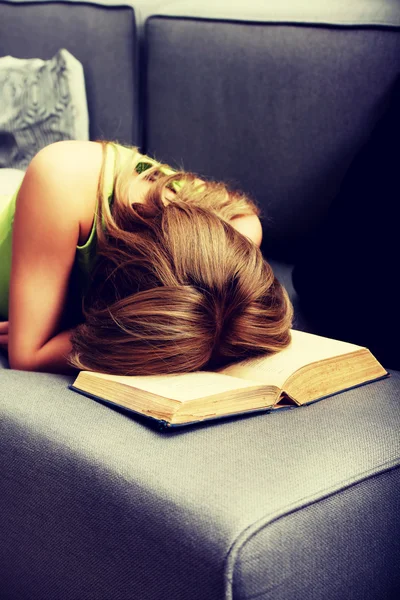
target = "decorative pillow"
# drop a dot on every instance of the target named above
(41, 102)
(347, 277)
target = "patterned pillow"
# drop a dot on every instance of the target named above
(41, 102)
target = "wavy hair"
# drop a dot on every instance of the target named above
(176, 287)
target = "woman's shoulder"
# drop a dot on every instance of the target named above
(69, 156)
(78, 163)
(75, 165)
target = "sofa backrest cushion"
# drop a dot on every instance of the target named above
(101, 37)
(277, 108)
(345, 276)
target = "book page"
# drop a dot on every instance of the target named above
(304, 349)
(182, 387)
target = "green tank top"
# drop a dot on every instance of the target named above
(86, 254)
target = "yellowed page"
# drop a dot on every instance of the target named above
(336, 374)
(304, 349)
(183, 387)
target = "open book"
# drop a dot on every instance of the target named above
(309, 369)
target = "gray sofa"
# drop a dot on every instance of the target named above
(302, 504)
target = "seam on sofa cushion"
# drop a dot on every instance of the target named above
(339, 12)
(253, 529)
(336, 24)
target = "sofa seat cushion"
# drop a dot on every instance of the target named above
(301, 503)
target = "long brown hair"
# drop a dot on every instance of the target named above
(175, 287)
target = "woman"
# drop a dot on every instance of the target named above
(123, 265)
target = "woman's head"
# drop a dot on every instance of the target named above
(176, 287)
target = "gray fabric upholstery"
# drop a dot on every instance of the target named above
(303, 551)
(283, 272)
(95, 505)
(3, 360)
(250, 103)
(101, 37)
(334, 277)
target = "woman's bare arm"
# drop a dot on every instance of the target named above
(49, 211)
(52, 357)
